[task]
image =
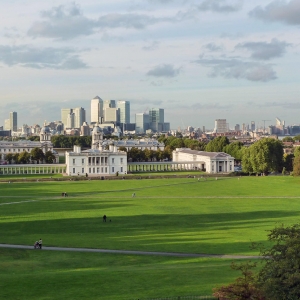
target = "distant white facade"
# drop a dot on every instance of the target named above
(142, 144)
(212, 162)
(221, 126)
(96, 109)
(97, 161)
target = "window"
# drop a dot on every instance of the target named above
(82, 171)
(105, 169)
(121, 169)
(112, 160)
(73, 170)
(113, 169)
(89, 170)
(82, 161)
(121, 160)
(73, 161)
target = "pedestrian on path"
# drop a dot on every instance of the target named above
(40, 243)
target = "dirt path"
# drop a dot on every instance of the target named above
(131, 252)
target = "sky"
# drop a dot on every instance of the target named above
(200, 60)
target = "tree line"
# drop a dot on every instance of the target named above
(35, 155)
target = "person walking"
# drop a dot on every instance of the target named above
(40, 243)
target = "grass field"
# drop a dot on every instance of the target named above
(176, 215)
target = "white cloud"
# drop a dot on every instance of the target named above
(279, 11)
(264, 50)
(164, 70)
(221, 6)
(40, 58)
(238, 69)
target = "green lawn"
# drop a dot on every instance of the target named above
(178, 215)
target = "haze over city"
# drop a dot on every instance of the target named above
(199, 60)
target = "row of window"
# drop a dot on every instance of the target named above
(96, 160)
(97, 170)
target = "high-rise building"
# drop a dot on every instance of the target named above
(96, 109)
(109, 104)
(65, 112)
(156, 119)
(141, 122)
(124, 107)
(79, 117)
(252, 126)
(13, 120)
(70, 120)
(111, 115)
(221, 126)
(237, 127)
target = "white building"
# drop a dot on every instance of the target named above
(96, 161)
(142, 144)
(96, 109)
(221, 126)
(212, 162)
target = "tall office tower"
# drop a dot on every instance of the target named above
(252, 126)
(79, 117)
(70, 121)
(65, 112)
(221, 126)
(156, 119)
(96, 109)
(141, 122)
(7, 124)
(237, 127)
(111, 115)
(124, 107)
(109, 104)
(13, 120)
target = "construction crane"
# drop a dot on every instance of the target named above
(265, 124)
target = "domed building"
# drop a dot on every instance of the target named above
(96, 161)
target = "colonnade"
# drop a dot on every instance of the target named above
(33, 169)
(163, 166)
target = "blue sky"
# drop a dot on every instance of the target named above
(198, 59)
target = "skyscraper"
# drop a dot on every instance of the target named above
(13, 120)
(79, 117)
(156, 119)
(124, 107)
(65, 112)
(221, 126)
(141, 122)
(96, 109)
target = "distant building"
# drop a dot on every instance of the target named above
(124, 108)
(253, 126)
(73, 117)
(212, 162)
(141, 122)
(96, 109)
(97, 161)
(12, 122)
(221, 126)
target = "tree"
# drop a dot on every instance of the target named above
(243, 288)
(297, 138)
(263, 156)
(24, 157)
(280, 276)
(217, 144)
(9, 157)
(37, 154)
(288, 162)
(16, 158)
(288, 139)
(49, 157)
(235, 150)
(296, 166)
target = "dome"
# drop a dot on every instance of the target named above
(97, 129)
(45, 129)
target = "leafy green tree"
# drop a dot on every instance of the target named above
(288, 139)
(9, 157)
(218, 144)
(263, 156)
(16, 158)
(279, 278)
(243, 288)
(24, 157)
(122, 148)
(297, 138)
(296, 166)
(288, 162)
(297, 151)
(176, 143)
(50, 157)
(37, 154)
(235, 150)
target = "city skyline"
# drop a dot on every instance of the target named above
(199, 60)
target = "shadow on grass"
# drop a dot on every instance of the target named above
(202, 233)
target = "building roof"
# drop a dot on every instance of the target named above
(204, 153)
